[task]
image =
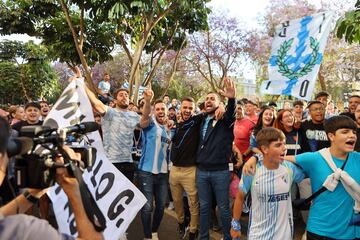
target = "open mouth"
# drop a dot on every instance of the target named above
(350, 143)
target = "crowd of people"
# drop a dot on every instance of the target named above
(193, 157)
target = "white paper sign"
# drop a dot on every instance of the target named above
(296, 54)
(117, 198)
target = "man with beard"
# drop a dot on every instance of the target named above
(354, 100)
(153, 169)
(357, 119)
(118, 127)
(215, 148)
(183, 171)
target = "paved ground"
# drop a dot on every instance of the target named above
(168, 228)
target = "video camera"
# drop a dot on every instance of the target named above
(35, 155)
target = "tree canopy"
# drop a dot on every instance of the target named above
(26, 73)
(348, 26)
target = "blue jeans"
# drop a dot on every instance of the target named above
(217, 182)
(153, 186)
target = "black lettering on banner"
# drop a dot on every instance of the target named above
(72, 225)
(66, 104)
(324, 17)
(267, 85)
(57, 190)
(283, 30)
(112, 214)
(304, 88)
(96, 170)
(110, 182)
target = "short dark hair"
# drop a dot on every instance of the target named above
(217, 95)
(158, 101)
(240, 102)
(120, 90)
(352, 96)
(172, 108)
(298, 102)
(322, 94)
(335, 123)
(43, 101)
(202, 105)
(32, 104)
(4, 134)
(272, 104)
(314, 102)
(188, 99)
(268, 135)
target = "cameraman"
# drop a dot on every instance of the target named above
(19, 226)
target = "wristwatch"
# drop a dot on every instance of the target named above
(30, 198)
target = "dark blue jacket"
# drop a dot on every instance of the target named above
(215, 150)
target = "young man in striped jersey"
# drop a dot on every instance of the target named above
(271, 211)
(153, 170)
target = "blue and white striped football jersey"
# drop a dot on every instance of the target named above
(271, 210)
(156, 140)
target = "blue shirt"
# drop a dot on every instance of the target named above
(331, 212)
(205, 126)
(156, 141)
(253, 143)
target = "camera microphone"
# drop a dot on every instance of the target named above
(19, 146)
(82, 128)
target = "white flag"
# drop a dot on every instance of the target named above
(117, 198)
(296, 54)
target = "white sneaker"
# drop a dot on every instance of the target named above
(154, 236)
(171, 206)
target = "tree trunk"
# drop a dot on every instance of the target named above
(23, 85)
(137, 84)
(78, 48)
(135, 66)
(321, 79)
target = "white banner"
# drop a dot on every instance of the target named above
(296, 54)
(117, 198)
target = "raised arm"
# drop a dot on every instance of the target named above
(95, 102)
(229, 92)
(146, 116)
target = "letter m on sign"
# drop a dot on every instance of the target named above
(65, 103)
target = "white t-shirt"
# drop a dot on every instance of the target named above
(118, 133)
(271, 210)
(104, 86)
